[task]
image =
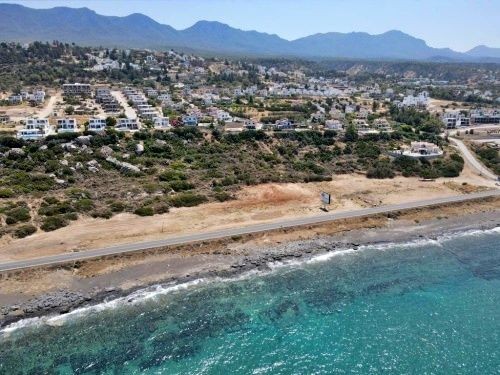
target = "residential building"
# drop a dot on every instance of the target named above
(161, 123)
(482, 116)
(455, 119)
(35, 129)
(67, 125)
(127, 124)
(77, 89)
(190, 120)
(97, 125)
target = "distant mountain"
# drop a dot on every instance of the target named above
(85, 27)
(390, 45)
(484, 51)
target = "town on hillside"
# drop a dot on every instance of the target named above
(186, 129)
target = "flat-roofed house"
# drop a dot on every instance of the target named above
(97, 125)
(127, 125)
(35, 128)
(67, 125)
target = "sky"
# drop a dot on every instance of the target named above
(458, 24)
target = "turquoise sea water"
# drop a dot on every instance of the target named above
(417, 308)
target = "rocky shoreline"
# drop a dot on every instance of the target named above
(63, 301)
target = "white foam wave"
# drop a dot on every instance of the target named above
(155, 291)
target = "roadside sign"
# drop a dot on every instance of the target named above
(325, 198)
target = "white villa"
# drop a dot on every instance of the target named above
(67, 125)
(161, 123)
(418, 150)
(333, 125)
(35, 129)
(97, 124)
(127, 125)
(455, 119)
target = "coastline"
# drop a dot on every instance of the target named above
(228, 260)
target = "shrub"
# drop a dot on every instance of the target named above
(53, 222)
(25, 231)
(180, 185)
(6, 193)
(380, 170)
(117, 206)
(84, 205)
(145, 211)
(55, 209)
(104, 214)
(172, 175)
(161, 208)
(187, 200)
(18, 214)
(223, 196)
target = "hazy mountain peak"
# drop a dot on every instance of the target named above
(84, 26)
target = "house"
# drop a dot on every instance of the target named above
(419, 150)
(234, 127)
(382, 125)
(127, 125)
(190, 120)
(15, 99)
(251, 124)
(77, 89)
(333, 125)
(97, 125)
(455, 119)
(35, 129)
(161, 123)
(481, 116)
(4, 117)
(67, 125)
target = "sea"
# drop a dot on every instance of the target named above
(423, 307)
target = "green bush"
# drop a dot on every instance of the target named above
(187, 200)
(172, 175)
(145, 211)
(380, 170)
(25, 231)
(6, 193)
(84, 205)
(117, 206)
(18, 214)
(55, 209)
(104, 214)
(53, 222)
(223, 196)
(180, 185)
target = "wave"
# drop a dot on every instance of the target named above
(152, 292)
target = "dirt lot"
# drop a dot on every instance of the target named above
(255, 204)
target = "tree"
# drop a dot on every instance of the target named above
(110, 121)
(351, 134)
(69, 110)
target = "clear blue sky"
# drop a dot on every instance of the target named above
(458, 24)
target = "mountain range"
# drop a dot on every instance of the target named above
(85, 27)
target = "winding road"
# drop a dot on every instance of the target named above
(225, 233)
(472, 160)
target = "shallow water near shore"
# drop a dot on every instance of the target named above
(420, 307)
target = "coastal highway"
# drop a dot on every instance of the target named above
(225, 233)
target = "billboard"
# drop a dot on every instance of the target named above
(325, 198)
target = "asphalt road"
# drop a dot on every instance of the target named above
(472, 161)
(196, 237)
